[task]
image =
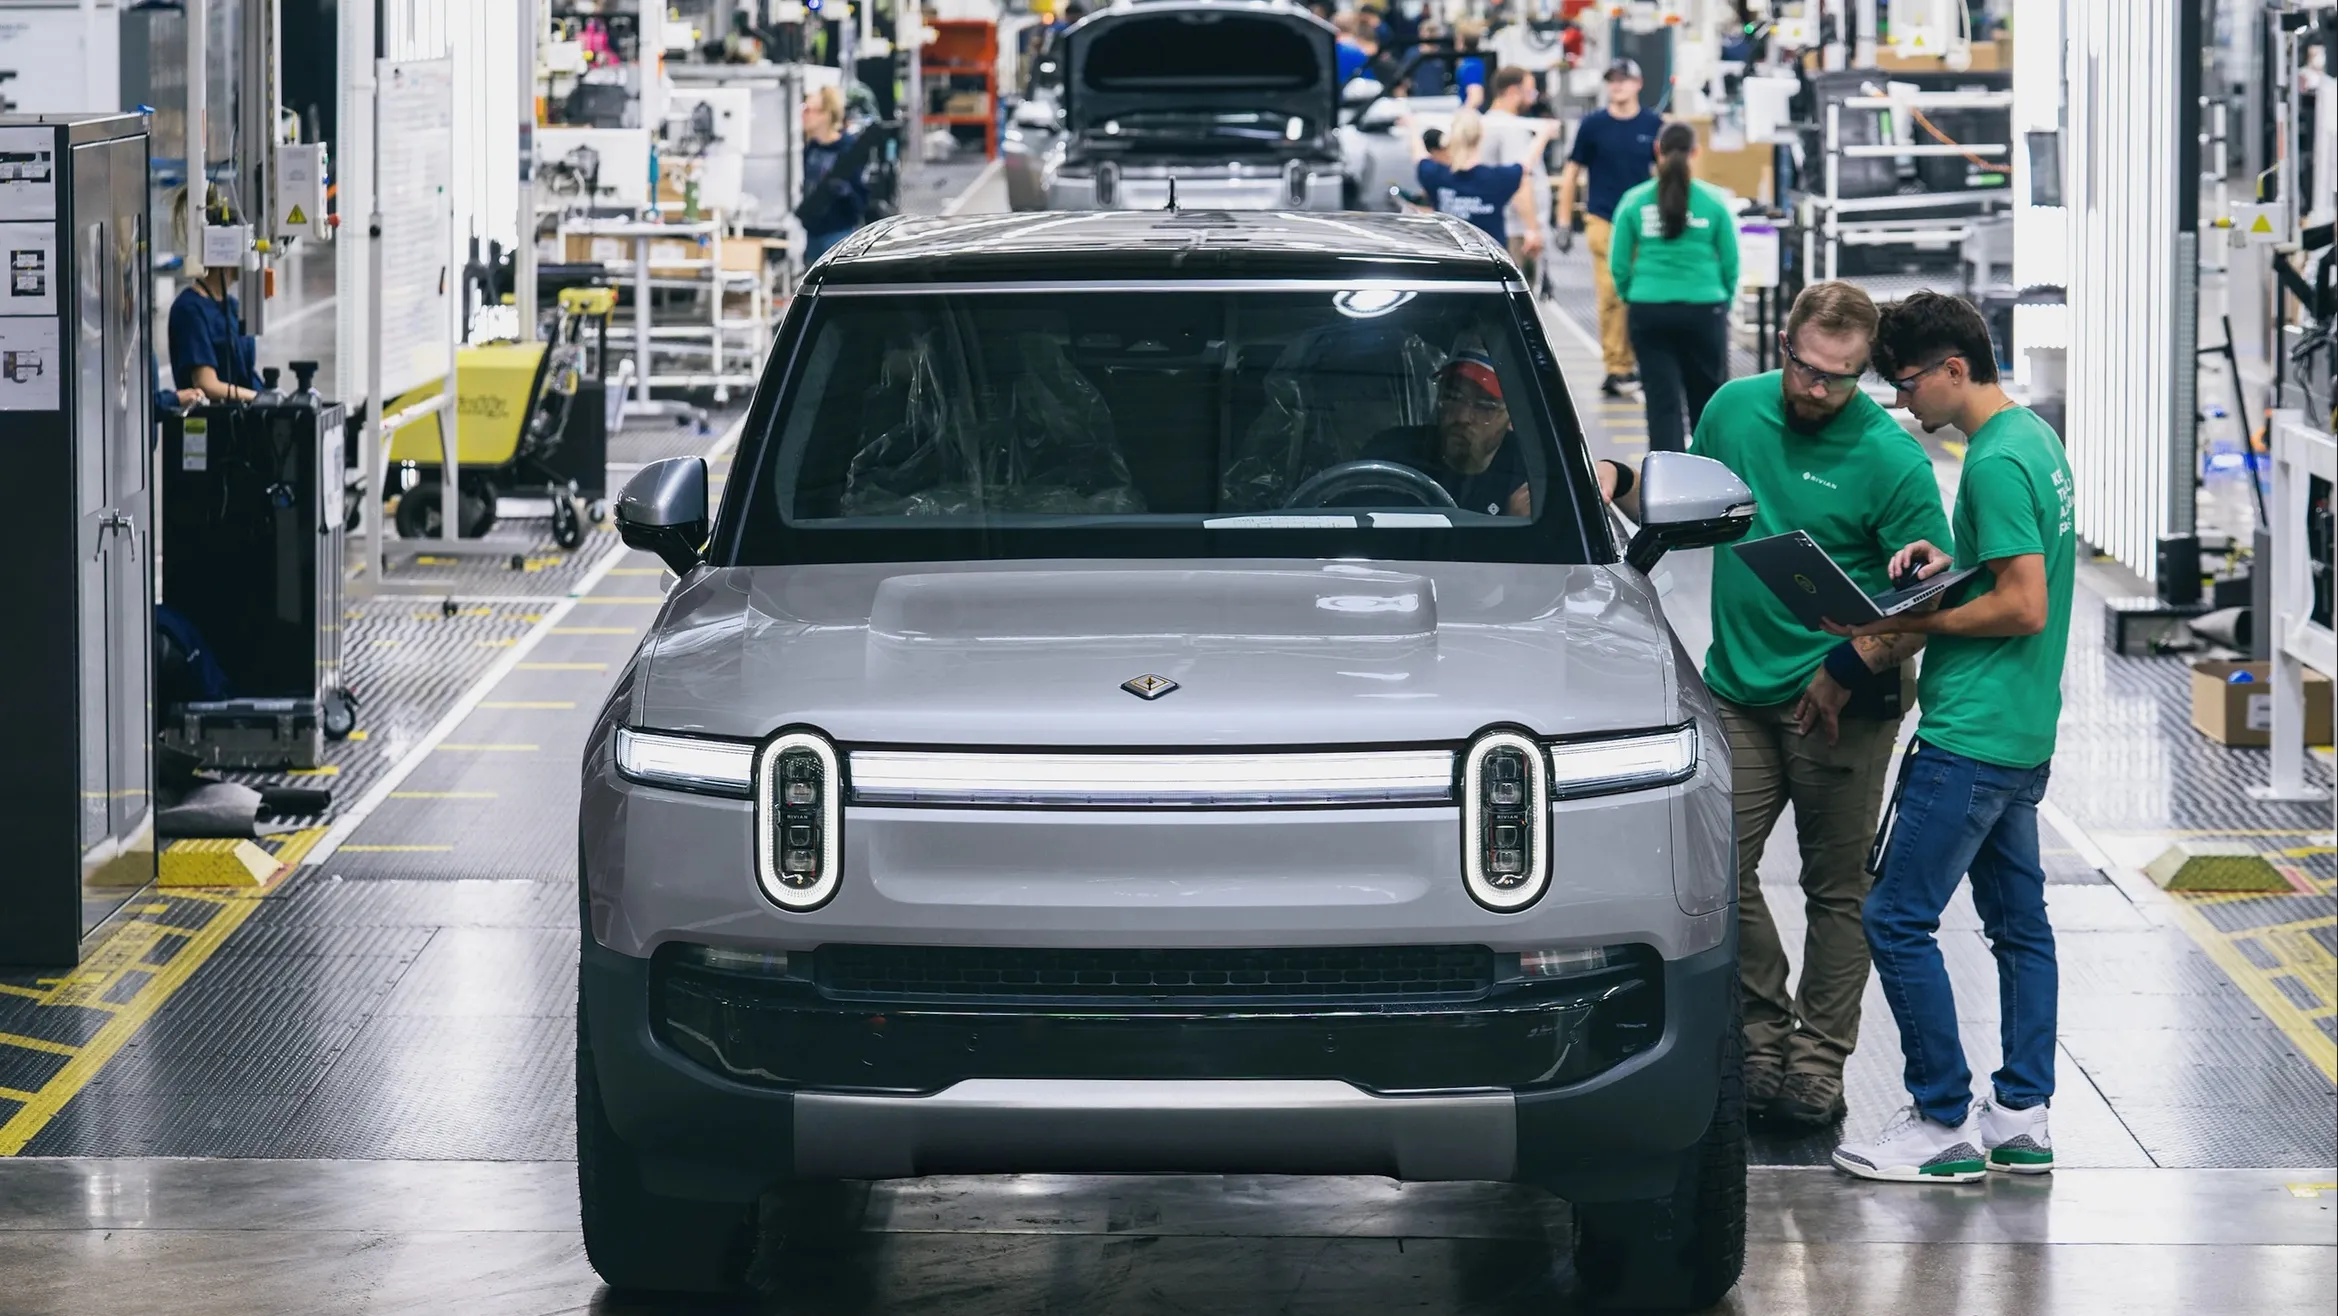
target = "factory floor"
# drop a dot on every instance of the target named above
(351, 1091)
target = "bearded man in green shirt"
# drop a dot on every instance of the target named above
(1811, 719)
(1967, 803)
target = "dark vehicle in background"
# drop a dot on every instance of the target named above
(1233, 101)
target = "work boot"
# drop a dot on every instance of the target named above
(1809, 1101)
(1763, 1075)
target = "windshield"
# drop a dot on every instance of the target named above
(1369, 422)
(1184, 51)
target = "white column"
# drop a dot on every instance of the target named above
(523, 277)
(353, 177)
(198, 131)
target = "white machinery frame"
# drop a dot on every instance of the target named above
(2300, 454)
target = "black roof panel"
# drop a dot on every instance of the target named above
(1162, 244)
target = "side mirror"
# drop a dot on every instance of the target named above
(1034, 114)
(1686, 502)
(1360, 91)
(663, 511)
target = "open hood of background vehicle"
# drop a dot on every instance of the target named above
(1200, 55)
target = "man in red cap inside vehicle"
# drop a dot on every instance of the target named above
(1468, 450)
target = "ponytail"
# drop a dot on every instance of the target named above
(1673, 146)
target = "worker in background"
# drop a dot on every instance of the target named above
(1512, 138)
(1610, 156)
(836, 199)
(1466, 187)
(1811, 719)
(1350, 53)
(1469, 69)
(209, 351)
(1674, 262)
(1970, 786)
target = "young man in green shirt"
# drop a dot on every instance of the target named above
(1968, 797)
(1811, 719)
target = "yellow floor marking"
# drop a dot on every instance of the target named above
(545, 704)
(11, 989)
(126, 951)
(2312, 1189)
(495, 644)
(482, 747)
(560, 667)
(531, 618)
(622, 598)
(395, 849)
(16, 1094)
(37, 1044)
(1953, 448)
(594, 630)
(2303, 1033)
(2307, 851)
(325, 770)
(442, 795)
(637, 571)
(361, 735)
(294, 850)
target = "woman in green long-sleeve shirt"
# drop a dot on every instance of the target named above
(1674, 257)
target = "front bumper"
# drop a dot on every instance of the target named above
(1617, 1135)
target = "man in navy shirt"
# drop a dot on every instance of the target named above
(1615, 150)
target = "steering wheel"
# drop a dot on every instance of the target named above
(1319, 489)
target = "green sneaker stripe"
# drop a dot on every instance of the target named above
(2021, 1156)
(1953, 1167)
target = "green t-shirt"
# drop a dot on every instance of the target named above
(1862, 488)
(1698, 266)
(1997, 700)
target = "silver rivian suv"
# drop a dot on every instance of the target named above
(1160, 692)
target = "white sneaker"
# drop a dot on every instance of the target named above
(1914, 1149)
(2016, 1140)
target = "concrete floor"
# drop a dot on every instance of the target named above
(128, 1238)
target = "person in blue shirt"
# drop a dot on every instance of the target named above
(1466, 189)
(836, 199)
(1469, 71)
(1352, 51)
(210, 353)
(1614, 152)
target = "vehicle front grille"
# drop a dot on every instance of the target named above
(1301, 976)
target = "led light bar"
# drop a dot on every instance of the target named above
(1623, 763)
(687, 763)
(1152, 781)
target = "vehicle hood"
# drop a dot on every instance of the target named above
(1263, 653)
(1198, 56)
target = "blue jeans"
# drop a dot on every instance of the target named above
(1957, 816)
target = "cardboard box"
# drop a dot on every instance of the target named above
(2242, 713)
(966, 104)
(745, 254)
(1988, 57)
(1746, 171)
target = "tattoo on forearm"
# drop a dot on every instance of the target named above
(1883, 652)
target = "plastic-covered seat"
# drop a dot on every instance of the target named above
(1332, 390)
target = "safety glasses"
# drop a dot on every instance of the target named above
(1907, 383)
(1833, 381)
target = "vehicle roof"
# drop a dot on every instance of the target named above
(1125, 8)
(1088, 245)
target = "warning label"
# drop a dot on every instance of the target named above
(298, 216)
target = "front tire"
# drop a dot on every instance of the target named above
(644, 1241)
(1684, 1251)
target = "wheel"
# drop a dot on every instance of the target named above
(337, 714)
(418, 513)
(567, 526)
(597, 512)
(1681, 1252)
(640, 1240)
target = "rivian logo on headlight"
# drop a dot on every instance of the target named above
(1148, 686)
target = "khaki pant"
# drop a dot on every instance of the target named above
(1837, 794)
(1615, 339)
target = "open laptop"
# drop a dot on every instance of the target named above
(1813, 587)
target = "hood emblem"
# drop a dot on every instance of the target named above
(1148, 686)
